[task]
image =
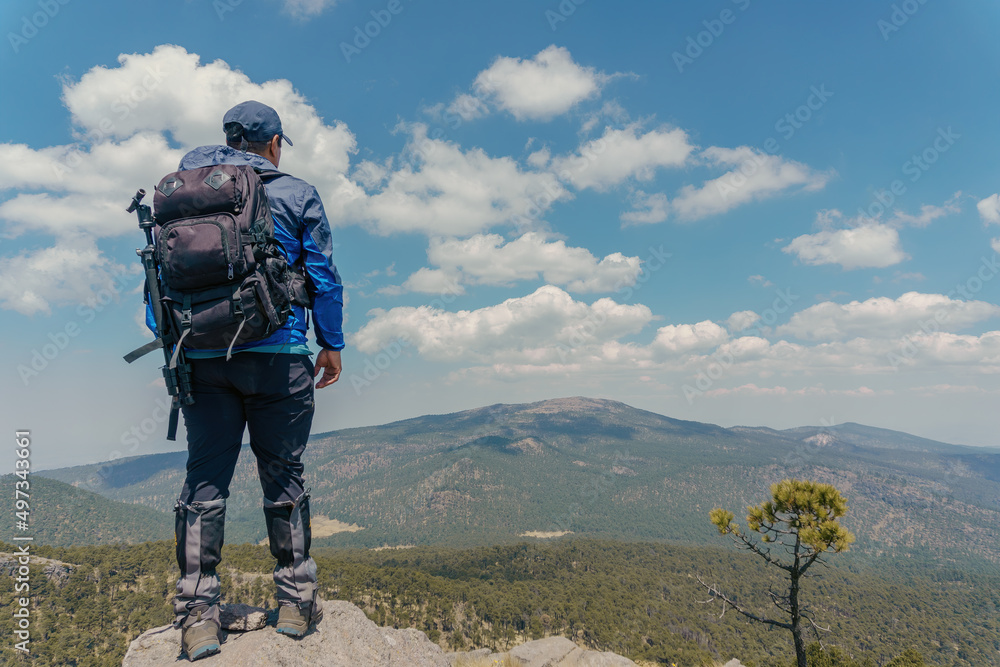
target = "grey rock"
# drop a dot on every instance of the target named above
(242, 617)
(561, 652)
(547, 652)
(584, 658)
(55, 571)
(733, 663)
(344, 638)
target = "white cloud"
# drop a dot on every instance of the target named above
(442, 190)
(647, 209)
(429, 281)
(468, 107)
(69, 273)
(946, 348)
(755, 176)
(928, 213)
(621, 154)
(678, 339)
(540, 158)
(537, 329)
(741, 320)
(882, 317)
(610, 111)
(95, 184)
(874, 356)
(989, 209)
(874, 245)
(547, 333)
(752, 389)
(995, 244)
(541, 88)
(863, 242)
(371, 174)
(486, 259)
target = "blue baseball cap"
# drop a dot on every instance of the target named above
(260, 122)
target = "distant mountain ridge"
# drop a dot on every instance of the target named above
(601, 468)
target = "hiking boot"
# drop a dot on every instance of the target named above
(200, 639)
(295, 621)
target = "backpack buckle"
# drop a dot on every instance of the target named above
(186, 312)
(237, 302)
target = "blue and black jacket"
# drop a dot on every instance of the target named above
(304, 232)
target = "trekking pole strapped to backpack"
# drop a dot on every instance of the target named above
(176, 370)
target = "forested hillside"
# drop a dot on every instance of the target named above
(63, 515)
(638, 599)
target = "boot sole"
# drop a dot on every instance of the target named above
(203, 651)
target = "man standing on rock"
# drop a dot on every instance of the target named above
(267, 386)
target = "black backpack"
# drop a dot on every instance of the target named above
(224, 281)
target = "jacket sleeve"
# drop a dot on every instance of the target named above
(321, 273)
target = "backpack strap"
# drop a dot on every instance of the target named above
(185, 329)
(154, 344)
(266, 175)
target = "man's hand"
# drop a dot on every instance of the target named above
(329, 362)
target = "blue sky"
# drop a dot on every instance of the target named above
(728, 212)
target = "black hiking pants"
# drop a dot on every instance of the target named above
(272, 396)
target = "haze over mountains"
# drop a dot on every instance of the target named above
(599, 468)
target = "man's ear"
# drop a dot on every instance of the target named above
(274, 150)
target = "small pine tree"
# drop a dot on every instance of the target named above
(801, 517)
